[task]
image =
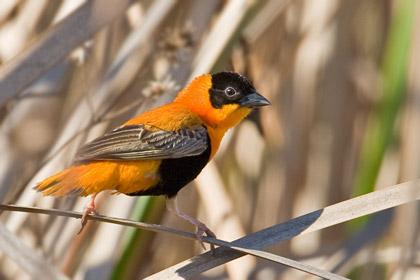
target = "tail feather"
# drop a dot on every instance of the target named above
(61, 184)
(92, 178)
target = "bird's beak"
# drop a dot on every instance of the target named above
(254, 99)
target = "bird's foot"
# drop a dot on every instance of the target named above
(89, 208)
(171, 205)
(201, 229)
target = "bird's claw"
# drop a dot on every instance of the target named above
(201, 229)
(87, 211)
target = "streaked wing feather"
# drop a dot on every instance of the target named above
(136, 142)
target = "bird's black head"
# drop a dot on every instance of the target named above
(233, 88)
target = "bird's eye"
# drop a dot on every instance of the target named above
(230, 92)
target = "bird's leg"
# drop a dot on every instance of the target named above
(89, 208)
(172, 206)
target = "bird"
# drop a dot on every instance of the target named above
(162, 150)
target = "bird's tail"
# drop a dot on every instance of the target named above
(61, 184)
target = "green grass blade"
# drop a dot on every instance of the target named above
(381, 122)
(147, 209)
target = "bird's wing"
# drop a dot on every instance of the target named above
(135, 142)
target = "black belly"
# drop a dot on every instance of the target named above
(176, 173)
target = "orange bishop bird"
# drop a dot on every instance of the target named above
(162, 150)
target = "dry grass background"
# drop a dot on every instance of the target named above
(67, 77)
